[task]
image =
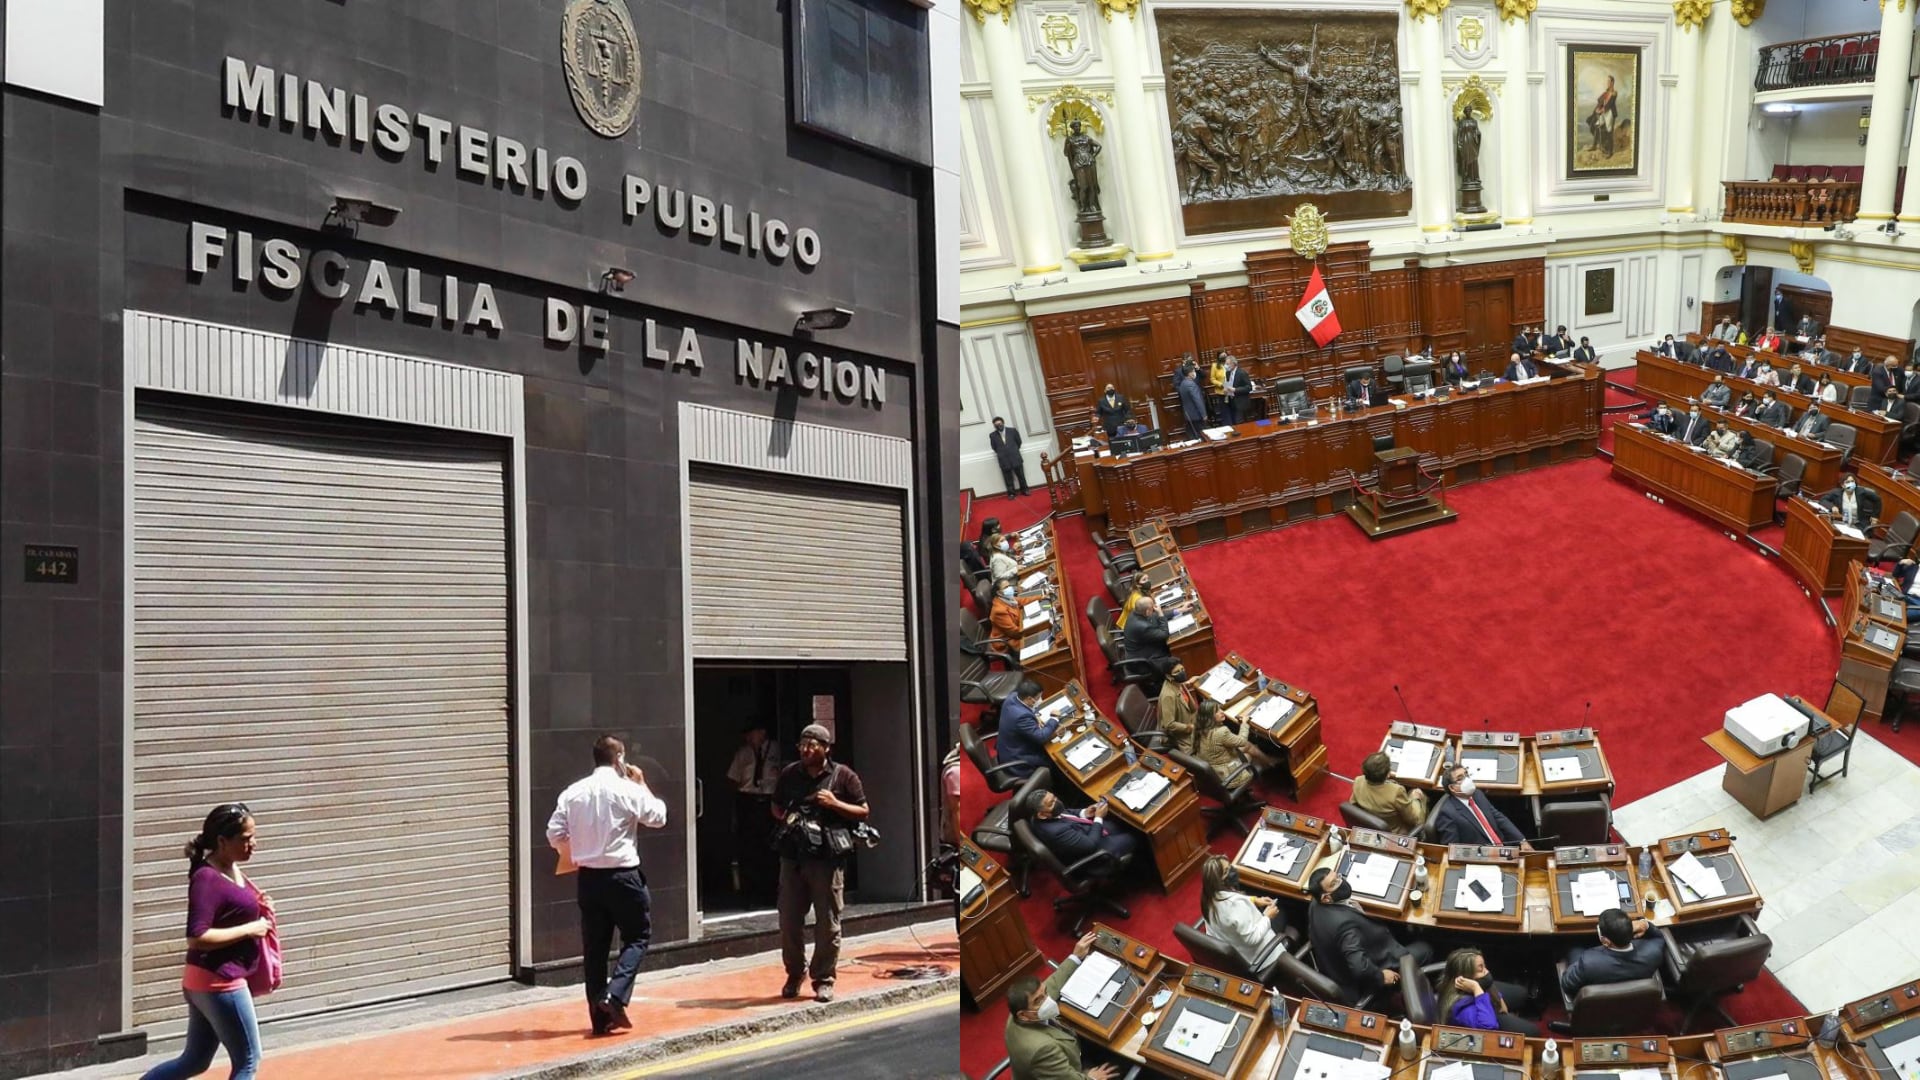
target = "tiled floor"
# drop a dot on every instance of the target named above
(1840, 871)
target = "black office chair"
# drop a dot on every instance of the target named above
(1358, 817)
(1621, 1008)
(1394, 366)
(1116, 588)
(1587, 819)
(980, 684)
(1290, 397)
(1707, 961)
(975, 744)
(1140, 716)
(1296, 978)
(1122, 556)
(1126, 672)
(1766, 445)
(1843, 436)
(1086, 881)
(1418, 1001)
(1099, 615)
(1122, 567)
(1896, 541)
(1230, 805)
(995, 831)
(1208, 951)
(1844, 707)
(1419, 376)
(1913, 469)
(1793, 473)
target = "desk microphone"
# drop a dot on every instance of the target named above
(1586, 715)
(1403, 703)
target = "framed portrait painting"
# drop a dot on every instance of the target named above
(1603, 111)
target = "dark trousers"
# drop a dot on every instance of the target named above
(816, 884)
(1193, 427)
(1242, 409)
(1518, 1000)
(1015, 479)
(609, 899)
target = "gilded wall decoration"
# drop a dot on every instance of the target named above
(1802, 252)
(1745, 11)
(1517, 10)
(1268, 110)
(1737, 247)
(1058, 35)
(983, 8)
(1691, 14)
(1469, 35)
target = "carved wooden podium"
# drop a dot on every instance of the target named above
(1397, 503)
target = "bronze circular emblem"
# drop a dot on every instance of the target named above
(602, 55)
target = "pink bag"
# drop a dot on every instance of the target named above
(265, 977)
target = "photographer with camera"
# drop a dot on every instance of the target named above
(821, 808)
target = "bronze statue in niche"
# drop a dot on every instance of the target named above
(1269, 109)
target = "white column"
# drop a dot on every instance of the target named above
(1516, 136)
(1889, 108)
(1433, 182)
(1147, 201)
(1681, 150)
(1910, 198)
(1027, 182)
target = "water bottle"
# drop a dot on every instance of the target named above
(1129, 751)
(1829, 1030)
(1550, 1060)
(1406, 1037)
(1646, 864)
(1420, 870)
(1333, 840)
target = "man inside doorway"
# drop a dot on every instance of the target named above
(754, 772)
(818, 802)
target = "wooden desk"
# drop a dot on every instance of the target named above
(1718, 490)
(1870, 643)
(1162, 567)
(1817, 552)
(1241, 1002)
(1294, 739)
(994, 945)
(1876, 437)
(1060, 664)
(1525, 755)
(1764, 785)
(1445, 879)
(1171, 823)
(1271, 474)
(1715, 848)
(1140, 963)
(1568, 863)
(1267, 844)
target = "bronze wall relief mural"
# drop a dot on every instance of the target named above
(1271, 109)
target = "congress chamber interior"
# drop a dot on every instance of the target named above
(1438, 524)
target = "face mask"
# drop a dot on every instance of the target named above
(1047, 1011)
(1006, 594)
(1848, 489)
(1465, 786)
(1004, 546)
(1233, 878)
(1695, 414)
(1344, 893)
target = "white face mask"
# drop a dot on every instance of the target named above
(1848, 489)
(1004, 545)
(1465, 787)
(1047, 1011)
(1006, 594)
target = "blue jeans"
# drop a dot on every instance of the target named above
(214, 1020)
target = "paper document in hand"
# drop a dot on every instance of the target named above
(1481, 768)
(1489, 879)
(1034, 579)
(1142, 790)
(1272, 712)
(1565, 767)
(1197, 1037)
(1412, 759)
(1594, 892)
(1084, 986)
(1372, 874)
(1180, 624)
(1037, 648)
(1058, 705)
(1704, 880)
(1085, 752)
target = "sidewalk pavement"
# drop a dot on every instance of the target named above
(676, 1012)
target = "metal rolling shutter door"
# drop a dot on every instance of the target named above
(788, 569)
(320, 631)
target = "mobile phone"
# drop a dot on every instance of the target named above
(1478, 890)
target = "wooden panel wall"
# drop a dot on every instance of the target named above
(1840, 339)
(1712, 313)
(1800, 300)
(1381, 312)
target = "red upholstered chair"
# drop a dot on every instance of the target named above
(1779, 172)
(1796, 173)
(1817, 172)
(1869, 59)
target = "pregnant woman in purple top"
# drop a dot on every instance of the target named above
(226, 918)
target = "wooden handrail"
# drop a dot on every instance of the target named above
(1062, 480)
(1790, 202)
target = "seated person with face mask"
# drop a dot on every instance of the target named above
(1691, 428)
(1349, 947)
(1038, 1046)
(1751, 455)
(1227, 752)
(1717, 394)
(1851, 504)
(1007, 616)
(1724, 440)
(1075, 834)
(1466, 817)
(1471, 998)
(1179, 706)
(1250, 925)
(1661, 420)
(1378, 793)
(1625, 953)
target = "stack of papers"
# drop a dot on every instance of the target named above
(1141, 790)
(1037, 648)
(1452, 1070)
(1481, 768)
(1413, 759)
(1372, 874)
(1594, 891)
(1701, 880)
(1319, 1065)
(1489, 879)
(1086, 752)
(1564, 767)
(1034, 580)
(1271, 712)
(1031, 556)
(1217, 433)
(1180, 624)
(1848, 530)
(1220, 683)
(1196, 1036)
(1092, 984)
(1282, 851)
(1058, 705)
(1169, 594)
(1041, 617)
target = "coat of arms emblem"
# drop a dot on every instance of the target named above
(602, 56)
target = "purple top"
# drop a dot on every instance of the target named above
(1475, 1012)
(213, 900)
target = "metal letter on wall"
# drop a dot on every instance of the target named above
(1268, 110)
(601, 54)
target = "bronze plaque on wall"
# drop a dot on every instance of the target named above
(1272, 109)
(1599, 292)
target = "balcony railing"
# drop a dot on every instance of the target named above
(1827, 61)
(1791, 202)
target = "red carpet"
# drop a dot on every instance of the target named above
(1556, 587)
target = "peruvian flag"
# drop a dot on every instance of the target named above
(1316, 311)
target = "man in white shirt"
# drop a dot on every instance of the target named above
(594, 826)
(753, 773)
